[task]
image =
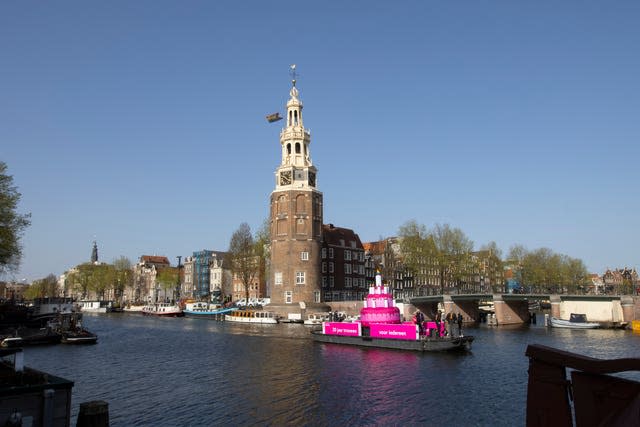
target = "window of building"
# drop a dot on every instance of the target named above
(324, 253)
(330, 252)
(347, 269)
(304, 256)
(316, 296)
(331, 281)
(347, 255)
(353, 243)
(278, 278)
(288, 297)
(300, 277)
(324, 267)
(330, 267)
(347, 282)
(324, 281)
(341, 242)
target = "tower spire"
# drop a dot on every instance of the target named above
(94, 253)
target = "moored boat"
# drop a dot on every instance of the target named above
(380, 325)
(207, 310)
(28, 337)
(316, 319)
(79, 336)
(251, 316)
(576, 321)
(162, 309)
(95, 306)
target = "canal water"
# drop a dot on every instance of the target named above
(196, 372)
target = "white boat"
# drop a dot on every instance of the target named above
(162, 309)
(251, 316)
(316, 318)
(95, 306)
(207, 310)
(576, 321)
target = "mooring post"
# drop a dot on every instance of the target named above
(93, 414)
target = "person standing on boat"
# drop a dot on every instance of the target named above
(459, 319)
(438, 324)
(420, 321)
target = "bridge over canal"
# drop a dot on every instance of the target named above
(514, 308)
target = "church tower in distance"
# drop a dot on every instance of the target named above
(296, 218)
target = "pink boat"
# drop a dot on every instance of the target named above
(380, 325)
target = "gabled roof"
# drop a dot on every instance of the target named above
(331, 235)
(375, 248)
(154, 259)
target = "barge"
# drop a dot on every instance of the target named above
(380, 325)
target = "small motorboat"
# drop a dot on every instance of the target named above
(79, 336)
(576, 321)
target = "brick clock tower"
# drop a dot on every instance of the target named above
(296, 218)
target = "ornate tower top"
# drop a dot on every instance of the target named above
(296, 169)
(94, 253)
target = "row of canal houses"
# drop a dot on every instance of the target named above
(348, 268)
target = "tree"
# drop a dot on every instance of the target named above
(12, 223)
(124, 276)
(242, 257)
(418, 252)
(262, 245)
(453, 252)
(167, 278)
(43, 288)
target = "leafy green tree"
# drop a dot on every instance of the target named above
(167, 278)
(242, 257)
(418, 252)
(262, 244)
(12, 224)
(124, 276)
(43, 288)
(453, 252)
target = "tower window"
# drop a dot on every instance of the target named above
(297, 148)
(304, 256)
(300, 276)
(289, 149)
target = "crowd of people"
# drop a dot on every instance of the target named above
(449, 325)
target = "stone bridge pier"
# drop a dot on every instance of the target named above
(511, 311)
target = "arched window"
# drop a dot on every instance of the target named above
(289, 149)
(297, 148)
(295, 117)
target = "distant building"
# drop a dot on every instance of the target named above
(205, 275)
(145, 286)
(343, 268)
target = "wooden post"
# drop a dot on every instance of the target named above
(93, 414)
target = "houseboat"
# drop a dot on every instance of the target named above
(251, 316)
(205, 310)
(162, 309)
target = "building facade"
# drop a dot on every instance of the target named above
(344, 267)
(145, 286)
(296, 215)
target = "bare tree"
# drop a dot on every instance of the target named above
(242, 257)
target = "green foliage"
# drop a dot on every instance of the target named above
(542, 270)
(43, 288)
(12, 224)
(167, 278)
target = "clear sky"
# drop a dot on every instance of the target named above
(141, 124)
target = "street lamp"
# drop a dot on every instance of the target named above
(178, 279)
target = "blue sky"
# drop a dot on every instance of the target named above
(141, 124)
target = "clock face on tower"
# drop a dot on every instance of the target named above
(285, 178)
(312, 179)
(298, 175)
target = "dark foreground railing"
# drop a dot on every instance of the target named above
(589, 397)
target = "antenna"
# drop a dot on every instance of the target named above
(293, 73)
